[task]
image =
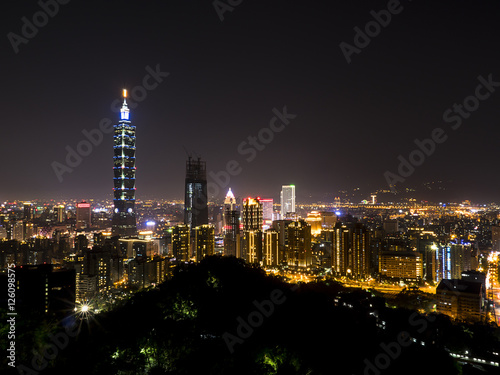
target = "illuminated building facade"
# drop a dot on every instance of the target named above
(314, 219)
(83, 215)
(426, 244)
(299, 244)
(495, 237)
(271, 253)
(181, 242)
(350, 250)
(287, 198)
(204, 241)
(97, 262)
(460, 299)
(281, 227)
(401, 265)
(267, 212)
(252, 230)
(252, 214)
(144, 272)
(28, 211)
(60, 213)
(452, 260)
(328, 219)
(252, 246)
(195, 197)
(124, 219)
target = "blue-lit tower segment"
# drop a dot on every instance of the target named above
(124, 223)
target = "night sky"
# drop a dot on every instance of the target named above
(226, 77)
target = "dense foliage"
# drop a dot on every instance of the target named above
(189, 325)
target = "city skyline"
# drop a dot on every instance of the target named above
(202, 88)
(266, 187)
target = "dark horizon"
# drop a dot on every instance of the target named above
(215, 83)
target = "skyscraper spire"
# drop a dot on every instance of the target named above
(124, 221)
(124, 111)
(230, 200)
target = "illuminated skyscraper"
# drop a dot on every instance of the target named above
(231, 226)
(350, 250)
(60, 213)
(83, 215)
(181, 242)
(28, 211)
(271, 254)
(252, 246)
(204, 241)
(287, 200)
(124, 222)
(299, 244)
(267, 212)
(252, 230)
(195, 202)
(252, 214)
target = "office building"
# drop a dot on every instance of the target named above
(426, 244)
(287, 198)
(267, 212)
(460, 299)
(270, 256)
(314, 219)
(97, 262)
(83, 215)
(86, 287)
(181, 241)
(299, 244)
(350, 250)
(60, 213)
(328, 219)
(281, 227)
(124, 217)
(452, 260)
(495, 238)
(231, 226)
(28, 211)
(251, 247)
(252, 214)
(195, 197)
(18, 231)
(136, 247)
(204, 241)
(144, 272)
(401, 265)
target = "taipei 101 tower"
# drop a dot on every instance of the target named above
(124, 223)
